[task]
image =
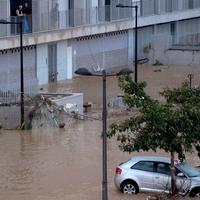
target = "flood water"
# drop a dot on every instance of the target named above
(56, 164)
(66, 164)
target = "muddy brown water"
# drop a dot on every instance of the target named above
(66, 164)
(56, 164)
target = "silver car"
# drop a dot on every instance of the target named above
(152, 174)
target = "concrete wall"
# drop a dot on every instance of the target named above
(71, 102)
(163, 52)
(10, 70)
(159, 46)
(176, 57)
(183, 57)
(100, 51)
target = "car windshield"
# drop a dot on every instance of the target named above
(188, 170)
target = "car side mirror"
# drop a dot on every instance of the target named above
(180, 174)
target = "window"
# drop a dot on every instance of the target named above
(190, 4)
(188, 170)
(163, 168)
(172, 28)
(144, 165)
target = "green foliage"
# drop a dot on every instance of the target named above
(184, 96)
(173, 126)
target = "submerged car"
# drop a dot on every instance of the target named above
(152, 174)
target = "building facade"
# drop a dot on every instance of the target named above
(63, 35)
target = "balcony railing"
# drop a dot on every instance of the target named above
(43, 20)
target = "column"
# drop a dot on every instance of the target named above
(131, 36)
(42, 64)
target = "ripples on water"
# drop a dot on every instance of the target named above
(49, 163)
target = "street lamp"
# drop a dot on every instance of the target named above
(136, 33)
(20, 24)
(103, 75)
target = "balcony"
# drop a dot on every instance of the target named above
(44, 21)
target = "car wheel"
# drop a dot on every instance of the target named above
(195, 193)
(129, 187)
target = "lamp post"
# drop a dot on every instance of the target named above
(20, 24)
(136, 36)
(103, 75)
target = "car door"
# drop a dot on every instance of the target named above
(143, 172)
(183, 183)
(162, 179)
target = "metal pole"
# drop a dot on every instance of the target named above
(190, 76)
(21, 76)
(104, 142)
(136, 44)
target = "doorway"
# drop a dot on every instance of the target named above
(14, 4)
(107, 10)
(52, 62)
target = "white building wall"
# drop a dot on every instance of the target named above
(4, 14)
(10, 70)
(100, 51)
(64, 62)
(94, 3)
(160, 42)
(64, 66)
(145, 36)
(5, 9)
(183, 57)
(179, 47)
(42, 64)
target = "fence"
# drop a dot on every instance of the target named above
(11, 94)
(10, 101)
(8, 98)
(10, 109)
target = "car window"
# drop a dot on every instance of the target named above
(163, 168)
(188, 169)
(144, 165)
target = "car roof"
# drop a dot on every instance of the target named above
(151, 158)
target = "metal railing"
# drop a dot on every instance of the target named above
(9, 97)
(192, 39)
(42, 18)
(10, 93)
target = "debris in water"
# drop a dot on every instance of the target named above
(62, 125)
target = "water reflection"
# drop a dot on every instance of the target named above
(50, 163)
